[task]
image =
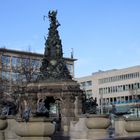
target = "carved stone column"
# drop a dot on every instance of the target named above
(32, 99)
(120, 127)
(10, 130)
(67, 111)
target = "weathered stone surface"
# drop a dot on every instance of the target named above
(34, 138)
(36, 128)
(97, 127)
(10, 130)
(120, 127)
(3, 125)
(97, 122)
(54, 87)
(78, 129)
(132, 125)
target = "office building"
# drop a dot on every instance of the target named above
(118, 86)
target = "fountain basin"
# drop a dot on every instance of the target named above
(97, 122)
(36, 127)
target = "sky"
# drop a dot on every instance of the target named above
(104, 34)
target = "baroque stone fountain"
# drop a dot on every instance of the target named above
(54, 84)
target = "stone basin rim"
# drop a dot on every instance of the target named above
(132, 119)
(3, 117)
(96, 116)
(36, 119)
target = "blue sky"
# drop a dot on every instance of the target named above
(105, 34)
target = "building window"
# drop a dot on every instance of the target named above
(89, 83)
(88, 93)
(26, 62)
(15, 76)
(83, 84)
(36, 63)
(16, 62)
(6, 75)
(5, 62)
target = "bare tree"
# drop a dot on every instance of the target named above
(7, 105)
(27, 72)
(24, 71)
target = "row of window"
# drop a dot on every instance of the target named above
(85, 84)
(119, 78)
(119, 88)
(120, 100)
(19, 62)
(16, 77)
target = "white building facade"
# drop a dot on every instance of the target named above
(117, 86)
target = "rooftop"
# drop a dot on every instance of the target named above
(4, 50)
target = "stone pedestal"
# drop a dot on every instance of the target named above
(78, 129)
(132, 127)
(67, 92)
(120, 127)
(3, 125)
(35, 129)
(97, 127)
(9, 131)
(67, 112)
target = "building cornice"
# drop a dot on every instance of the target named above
(5, 50)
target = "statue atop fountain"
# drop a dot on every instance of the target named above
(53, 65)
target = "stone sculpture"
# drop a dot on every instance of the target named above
(8, 105)
(53, 65)
(90, 106)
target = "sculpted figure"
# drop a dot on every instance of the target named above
(41, 107)
(26, 111)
